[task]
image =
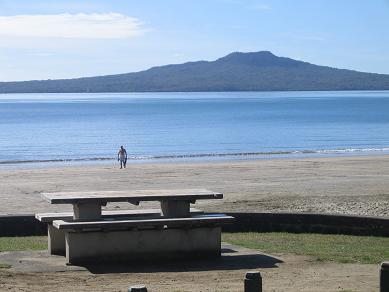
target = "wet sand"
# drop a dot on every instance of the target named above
(347, 185)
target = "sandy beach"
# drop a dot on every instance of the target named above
(347, 185)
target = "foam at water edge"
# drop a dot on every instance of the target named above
(204, 155)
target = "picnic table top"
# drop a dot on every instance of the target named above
(130, 196)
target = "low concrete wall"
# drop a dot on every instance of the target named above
(25, 225)
(21, 225)
(309, 223)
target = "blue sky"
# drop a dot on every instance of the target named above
(66, 39)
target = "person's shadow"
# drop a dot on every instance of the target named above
(232, 259)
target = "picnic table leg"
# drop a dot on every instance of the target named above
(87, 211)
(56, 240)
(175, 208)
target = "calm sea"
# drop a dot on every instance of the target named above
(36, 128)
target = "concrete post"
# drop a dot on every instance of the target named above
(56, 240)
(384, 277)
(253, 282)
(175, 208)
(137, 288)
(87, 211)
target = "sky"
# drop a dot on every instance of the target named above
(68, 39)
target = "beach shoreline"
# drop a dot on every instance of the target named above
(190, 158)
(356, 185)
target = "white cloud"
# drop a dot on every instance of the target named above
(79, 26)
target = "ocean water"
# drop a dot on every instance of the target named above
(47, 128)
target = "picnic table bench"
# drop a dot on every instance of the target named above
(56, 237)
(176, 230)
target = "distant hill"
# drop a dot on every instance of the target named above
(260, 71)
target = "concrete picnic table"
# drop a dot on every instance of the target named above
(174, 231)
(87, 205)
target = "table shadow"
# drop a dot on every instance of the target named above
(230, 260)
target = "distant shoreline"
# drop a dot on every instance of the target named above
(210, 91)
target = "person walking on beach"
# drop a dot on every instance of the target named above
(122, 157)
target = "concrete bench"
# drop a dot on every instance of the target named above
(143, 238)
(142, 223)
(50, 217)
(56, 237)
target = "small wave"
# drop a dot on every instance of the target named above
(203, 155)
(54, 160)
(227, 154)
(262, 153)
(352, 150)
